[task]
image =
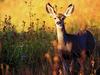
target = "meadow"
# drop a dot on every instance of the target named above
(25, 51)
(27, 32)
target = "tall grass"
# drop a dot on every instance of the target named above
(28, 48)
(25, 48)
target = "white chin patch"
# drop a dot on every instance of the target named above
(58, 26)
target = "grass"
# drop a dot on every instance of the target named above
(28, 48)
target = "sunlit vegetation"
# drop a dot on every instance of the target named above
(29, 48)
(26, 31)
(22, 9)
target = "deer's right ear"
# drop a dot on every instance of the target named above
(50, 9)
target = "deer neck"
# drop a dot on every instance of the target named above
(60, 34)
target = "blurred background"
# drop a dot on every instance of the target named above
(21, 10)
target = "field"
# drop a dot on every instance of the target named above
(26, 32)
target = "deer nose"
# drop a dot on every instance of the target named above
(59, 22)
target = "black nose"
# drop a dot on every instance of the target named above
(59, 22)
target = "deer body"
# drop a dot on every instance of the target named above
(78, 42)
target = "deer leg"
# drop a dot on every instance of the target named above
(82, 61)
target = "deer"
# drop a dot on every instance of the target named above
(64, 40)
(68, 45)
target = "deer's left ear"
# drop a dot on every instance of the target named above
(69, 10)
(50, 9)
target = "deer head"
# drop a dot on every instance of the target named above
(59, 18)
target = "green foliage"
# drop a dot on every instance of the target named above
(25, 48)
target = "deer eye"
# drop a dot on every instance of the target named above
(63, 17)
(55, 18)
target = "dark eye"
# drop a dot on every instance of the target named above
(55, 18)
(63, 17)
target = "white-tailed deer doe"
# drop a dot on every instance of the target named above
(65, 41)
(64, 45)
(70, 44)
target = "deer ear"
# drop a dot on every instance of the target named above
(69, 10)
(50, 9)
